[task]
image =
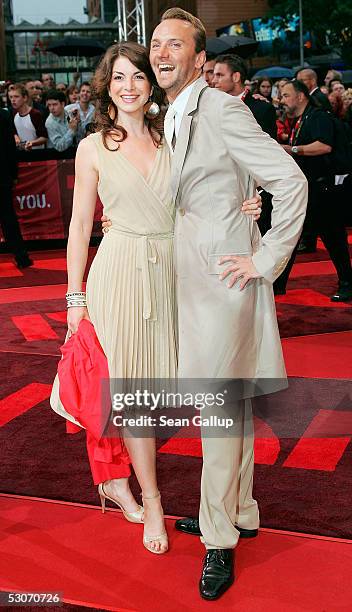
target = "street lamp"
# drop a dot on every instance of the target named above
(301, 42)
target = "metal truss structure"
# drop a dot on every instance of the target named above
(131, 20)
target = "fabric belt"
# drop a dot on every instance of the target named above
(146, 255)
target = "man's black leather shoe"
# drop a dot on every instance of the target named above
(218, 573)
(188, 525)
(191, 526)
(344, 292)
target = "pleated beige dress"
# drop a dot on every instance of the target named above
(131, 295)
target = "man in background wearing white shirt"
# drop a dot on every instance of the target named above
(61, 127)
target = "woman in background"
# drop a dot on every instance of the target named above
(264, 88)
(72, 94)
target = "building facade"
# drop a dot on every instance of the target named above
(215, 14)
(219, 13)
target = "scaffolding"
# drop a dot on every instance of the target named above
(131, 20)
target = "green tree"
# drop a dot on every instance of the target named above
(330, 20)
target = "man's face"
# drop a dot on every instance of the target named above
(173, 56)
(306, 79)
(329, 77)
(337, 88)
(290, 99)
(223, 78)
(85, 94)
(16, 99)
(61, 87)
(32, 90)
(39, 90)
(55, 107)
(208, 72)
(48, 81)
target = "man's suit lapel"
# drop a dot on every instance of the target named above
(183, 138)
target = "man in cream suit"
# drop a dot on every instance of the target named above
(225, 270)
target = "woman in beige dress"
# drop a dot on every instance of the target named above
(130, 291)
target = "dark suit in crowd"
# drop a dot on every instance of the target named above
(321, 100)
(264, 113)
(8, 174)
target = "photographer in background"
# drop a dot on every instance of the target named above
(8, 175)
(61, 125)
(85, 109)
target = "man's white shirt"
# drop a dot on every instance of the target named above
(175, 113)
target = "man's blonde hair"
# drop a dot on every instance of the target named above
(200, 33)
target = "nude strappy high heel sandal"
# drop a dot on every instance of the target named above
(132, 517)
(158, 538)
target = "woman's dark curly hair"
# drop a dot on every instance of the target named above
(138, 56)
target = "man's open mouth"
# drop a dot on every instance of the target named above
(166, 67)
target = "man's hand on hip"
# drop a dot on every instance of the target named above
(241, 267)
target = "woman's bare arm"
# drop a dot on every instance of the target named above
(84, 202)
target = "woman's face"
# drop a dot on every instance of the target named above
(129, 87)
(265, 89)
(347, 100)
(73, 97)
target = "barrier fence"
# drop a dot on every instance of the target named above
(42, 199)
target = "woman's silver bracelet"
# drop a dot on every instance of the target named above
(76, 298)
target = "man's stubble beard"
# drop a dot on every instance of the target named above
(174, 89)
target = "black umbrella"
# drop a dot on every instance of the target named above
(216, 46)
(71, 46)
(241, 45)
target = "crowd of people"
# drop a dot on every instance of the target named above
(48, 115)
(57, 116)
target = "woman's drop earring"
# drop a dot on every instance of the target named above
(151, 109)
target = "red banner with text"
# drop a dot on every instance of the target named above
(42, 199)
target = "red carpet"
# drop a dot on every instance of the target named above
(99, 561)
(320, 356)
